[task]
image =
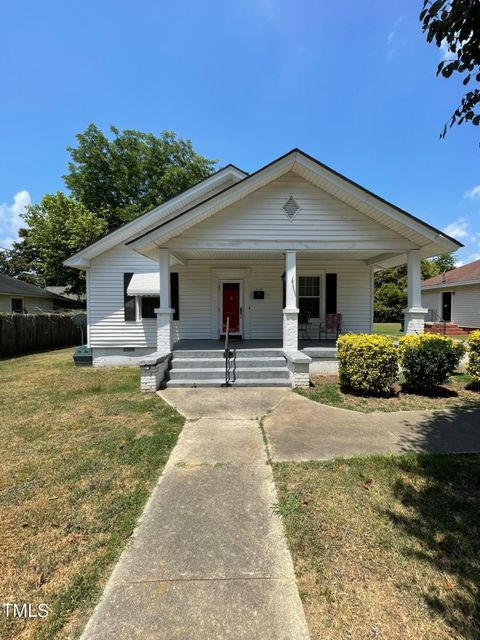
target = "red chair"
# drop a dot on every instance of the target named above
(332, 324)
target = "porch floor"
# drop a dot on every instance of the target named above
(206, 345)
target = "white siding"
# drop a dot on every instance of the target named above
(466, 306)
(260, 216)
(199, 297)
(432, 300)
(106, 315)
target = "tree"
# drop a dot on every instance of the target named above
(111, 181)
(391, 286)
(445, 262)
(58, 227)
(118, 179)
(17, 262)
(455, 25)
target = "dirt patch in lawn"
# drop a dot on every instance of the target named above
(81, 451)
(459, 393)
(386, 547)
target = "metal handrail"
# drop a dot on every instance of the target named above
(228, 354)
(436, 318)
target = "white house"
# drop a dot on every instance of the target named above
(454, 297)
(293, 239)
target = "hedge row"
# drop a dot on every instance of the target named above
(370, 364)
(473, 367)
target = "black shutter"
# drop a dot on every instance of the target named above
(128, 301)
(174, 295)
(331, 293)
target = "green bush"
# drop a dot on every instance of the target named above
(473, 367)
(428, 360)
(367, 364)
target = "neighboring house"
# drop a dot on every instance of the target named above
(17, 296)
(454, 296)
(293, 239)
(77, 300)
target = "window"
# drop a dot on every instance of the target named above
(17, 305)
(309, 296)
(149, 305)
(128, 301)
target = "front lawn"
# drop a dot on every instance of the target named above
(81, 452)
(386, 547)
(388, 329)
(459, 393)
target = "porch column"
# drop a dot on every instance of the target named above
(290, 313)
(164, 312)
(414, 313)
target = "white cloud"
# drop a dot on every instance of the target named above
(459, 229)
(473, 193)
(10, 217)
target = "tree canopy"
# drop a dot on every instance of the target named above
(111, 180)
(454, 25)
(120, 177)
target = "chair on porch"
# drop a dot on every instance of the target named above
(303, 322)
(332, 324)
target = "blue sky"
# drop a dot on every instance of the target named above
(351, 83)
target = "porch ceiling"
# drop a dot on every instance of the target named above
(260, 256)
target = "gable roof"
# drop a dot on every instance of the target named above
(185, 210)
(15, 287)
(199, 191)
(421, 234)
(466, 274)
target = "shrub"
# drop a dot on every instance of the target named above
(473, 367)
(367, 364)
(428, 360)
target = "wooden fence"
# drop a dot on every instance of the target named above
(24, 333)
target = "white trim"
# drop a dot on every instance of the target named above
(81, 259)
(449, 285)
(296, 161)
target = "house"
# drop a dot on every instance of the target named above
(294, 239)
(454, 297)
(17, 296)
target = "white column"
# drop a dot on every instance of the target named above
(414, 313)
(164, 312)
(290, 313)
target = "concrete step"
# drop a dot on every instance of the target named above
(218, 382)
(239, 373)
(218, 353)
(218, 363)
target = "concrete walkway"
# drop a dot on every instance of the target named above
(209, 559)
(301, 429)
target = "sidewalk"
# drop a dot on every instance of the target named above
(209, 559)
(299, 429)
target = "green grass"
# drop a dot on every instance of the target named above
(81, 452)
(459, 393)
(386, 547)
(388, 329)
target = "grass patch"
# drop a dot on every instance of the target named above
(459, 393)
(81, 452)
(386, 547)
(388, 329)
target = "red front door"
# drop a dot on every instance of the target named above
(231, 306)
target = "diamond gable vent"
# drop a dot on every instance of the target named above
(291, 208)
